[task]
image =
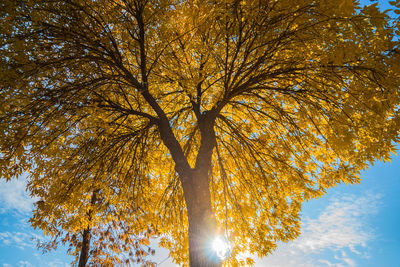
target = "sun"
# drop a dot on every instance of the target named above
(221, 247)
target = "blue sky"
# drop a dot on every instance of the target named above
(357, 225)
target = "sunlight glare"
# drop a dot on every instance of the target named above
(221, 247)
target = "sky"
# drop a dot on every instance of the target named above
(356, 225)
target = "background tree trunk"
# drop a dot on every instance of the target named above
(84, 256)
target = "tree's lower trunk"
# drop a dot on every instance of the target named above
(84, 256)
(202, 223)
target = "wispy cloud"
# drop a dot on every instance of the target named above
(14, 198)
(333, 238)
(19, 240)
(341, 224)
(25, 264)
(57, 263)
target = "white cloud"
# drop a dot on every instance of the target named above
(25, 264)
(340, 225)
(13, 196)
(340, 229)
(20, 240)
(57, 263)
(326, 262)
(349, 262)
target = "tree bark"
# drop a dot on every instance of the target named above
(195, 183)
(202, 222)
(84, 255)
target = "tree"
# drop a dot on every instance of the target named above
(100, 238)
(202, 117)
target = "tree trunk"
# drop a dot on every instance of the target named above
(84, 256)
(202, 222)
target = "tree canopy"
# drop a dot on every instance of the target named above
(188, 119)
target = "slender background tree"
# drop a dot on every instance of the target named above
(191, 119)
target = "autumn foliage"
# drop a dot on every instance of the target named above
(182, 120)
